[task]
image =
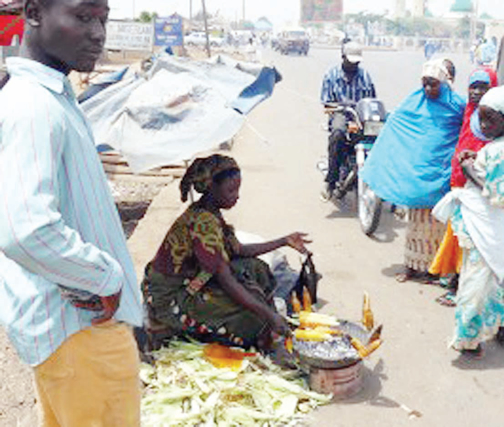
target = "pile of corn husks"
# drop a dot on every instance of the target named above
(184, 389)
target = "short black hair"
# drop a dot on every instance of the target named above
(43, 3)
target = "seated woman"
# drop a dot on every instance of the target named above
(202, 281)
(477, 215)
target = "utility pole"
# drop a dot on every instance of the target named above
(474, 20)
(243, 6)
(205, 20)
(134, 11)
(190, 13)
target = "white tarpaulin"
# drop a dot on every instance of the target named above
(181, 108)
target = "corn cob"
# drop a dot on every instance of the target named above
(296, 305)
(367, 314)
(376, 334)
(307, 301)
(328, 330)
(308, 319)
(361, 349)
(288, 344)
(373, 346)
(311, 335)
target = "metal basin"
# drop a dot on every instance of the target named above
(308, 352)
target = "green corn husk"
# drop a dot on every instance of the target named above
(184, 389)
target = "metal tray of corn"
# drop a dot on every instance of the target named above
(334, 353)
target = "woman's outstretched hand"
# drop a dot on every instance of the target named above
(298, 241)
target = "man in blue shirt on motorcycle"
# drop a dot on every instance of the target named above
(344, 84)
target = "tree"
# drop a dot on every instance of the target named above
(147, 17)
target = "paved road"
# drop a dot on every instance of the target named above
(280, 194)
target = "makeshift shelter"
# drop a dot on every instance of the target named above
(178, 109)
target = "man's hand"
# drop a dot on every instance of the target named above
(110, 305)
(297, 241)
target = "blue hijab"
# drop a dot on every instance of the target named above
(410, 163)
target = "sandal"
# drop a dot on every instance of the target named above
(447, 299)
(475, 354)
(406, 275)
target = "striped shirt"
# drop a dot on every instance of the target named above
(59, 224)
(337, 88)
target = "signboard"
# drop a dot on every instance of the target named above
(168, 31)
(122, 35)
(321, 10)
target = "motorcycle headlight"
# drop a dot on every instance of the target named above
(372, 128)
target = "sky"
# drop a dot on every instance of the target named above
(278, 11)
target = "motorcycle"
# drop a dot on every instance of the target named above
(365, 120)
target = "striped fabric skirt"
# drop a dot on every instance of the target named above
(423, 238)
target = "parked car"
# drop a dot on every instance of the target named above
(199, 39)
(294, 40)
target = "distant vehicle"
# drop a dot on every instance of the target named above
(294, 40)
(199, 39)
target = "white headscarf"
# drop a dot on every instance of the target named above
(436, 70)
(494, 99)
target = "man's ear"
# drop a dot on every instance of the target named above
(32, 12)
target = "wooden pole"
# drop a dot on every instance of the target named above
(205, 20)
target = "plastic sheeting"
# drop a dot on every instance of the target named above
(410, 163)
(179, 109)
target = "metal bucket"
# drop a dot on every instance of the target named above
(343, 383)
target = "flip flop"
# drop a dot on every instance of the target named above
(447, 299)
(475, 354)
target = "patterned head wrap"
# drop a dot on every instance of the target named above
(202, 171)
(435, 69)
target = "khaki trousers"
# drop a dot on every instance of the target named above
(91, 380)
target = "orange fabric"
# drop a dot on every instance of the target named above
(448, 258)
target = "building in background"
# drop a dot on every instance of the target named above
(400, 9)
(419, 7)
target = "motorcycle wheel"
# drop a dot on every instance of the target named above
(369, 208)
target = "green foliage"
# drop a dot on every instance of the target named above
(147, 17)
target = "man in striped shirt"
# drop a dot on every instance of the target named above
(67, 283)
(344, 84)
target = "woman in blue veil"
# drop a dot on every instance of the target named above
(410, 164)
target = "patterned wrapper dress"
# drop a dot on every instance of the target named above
(182, 294)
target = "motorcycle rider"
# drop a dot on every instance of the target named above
(347, 84)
